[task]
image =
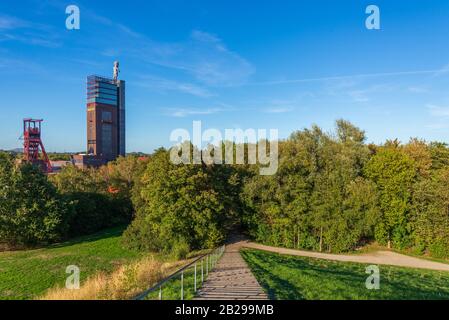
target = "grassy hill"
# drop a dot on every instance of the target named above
(28, 274)
(300, 278)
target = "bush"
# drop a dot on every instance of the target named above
(180, 250)
(439, 249)
(141, 236)
(419, 248)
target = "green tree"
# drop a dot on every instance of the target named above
(31, 211)
(312, 201)
(71, 179)
(430, 214)
(419, 151)
(440, 155)
(120, 175)
(393, 172)
(179, 204)
(94, 206)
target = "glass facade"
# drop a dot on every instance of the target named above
(103, 101)
(101, 90)
(111, 92)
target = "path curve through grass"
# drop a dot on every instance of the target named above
(378, 257)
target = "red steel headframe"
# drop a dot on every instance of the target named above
(32, 143)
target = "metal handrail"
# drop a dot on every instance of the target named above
(216, 252)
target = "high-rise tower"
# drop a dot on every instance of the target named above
(106, 116)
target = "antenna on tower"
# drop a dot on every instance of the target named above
(116, 70)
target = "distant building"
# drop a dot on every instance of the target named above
(85, 161)
(105, 120)
(58, 165)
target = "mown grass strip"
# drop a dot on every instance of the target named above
(300, 278)
(28, 274)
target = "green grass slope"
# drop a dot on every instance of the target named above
(28, 274)
(300, 278)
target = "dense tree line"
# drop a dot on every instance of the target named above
(332, 192)
(39, 209)
(319, 198)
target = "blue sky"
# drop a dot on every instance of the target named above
(231, 64)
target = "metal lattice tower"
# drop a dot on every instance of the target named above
(33, 148)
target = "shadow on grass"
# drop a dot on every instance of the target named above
(101, 235)
(276, 287)
(297, 278)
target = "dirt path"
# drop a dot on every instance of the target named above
(231, 279)
(379, 257)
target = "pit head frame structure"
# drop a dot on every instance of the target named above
(32, 129)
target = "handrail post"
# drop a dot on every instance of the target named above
(194, 286)
(182, 285)
(210, 259)
(202, 271)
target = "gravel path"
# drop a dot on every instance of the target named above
(379, 257)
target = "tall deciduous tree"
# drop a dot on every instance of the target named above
(393, 172)
(31, 211)
(179, 204)
(315, 199)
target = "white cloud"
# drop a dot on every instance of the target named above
(440, 117)
(8, 23)
(279, 110)
(203, 56)
(34, 40)
(359, 91)
(207, 59)
(352, 77)
(359, 95)
(181, 113)
(193, 89)
(418, 90)
(438, 111)
(437, 126)
(160, 84)
(275, 106)
(30, 33)
(443, 70)
(18, 66)
(204, 36)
